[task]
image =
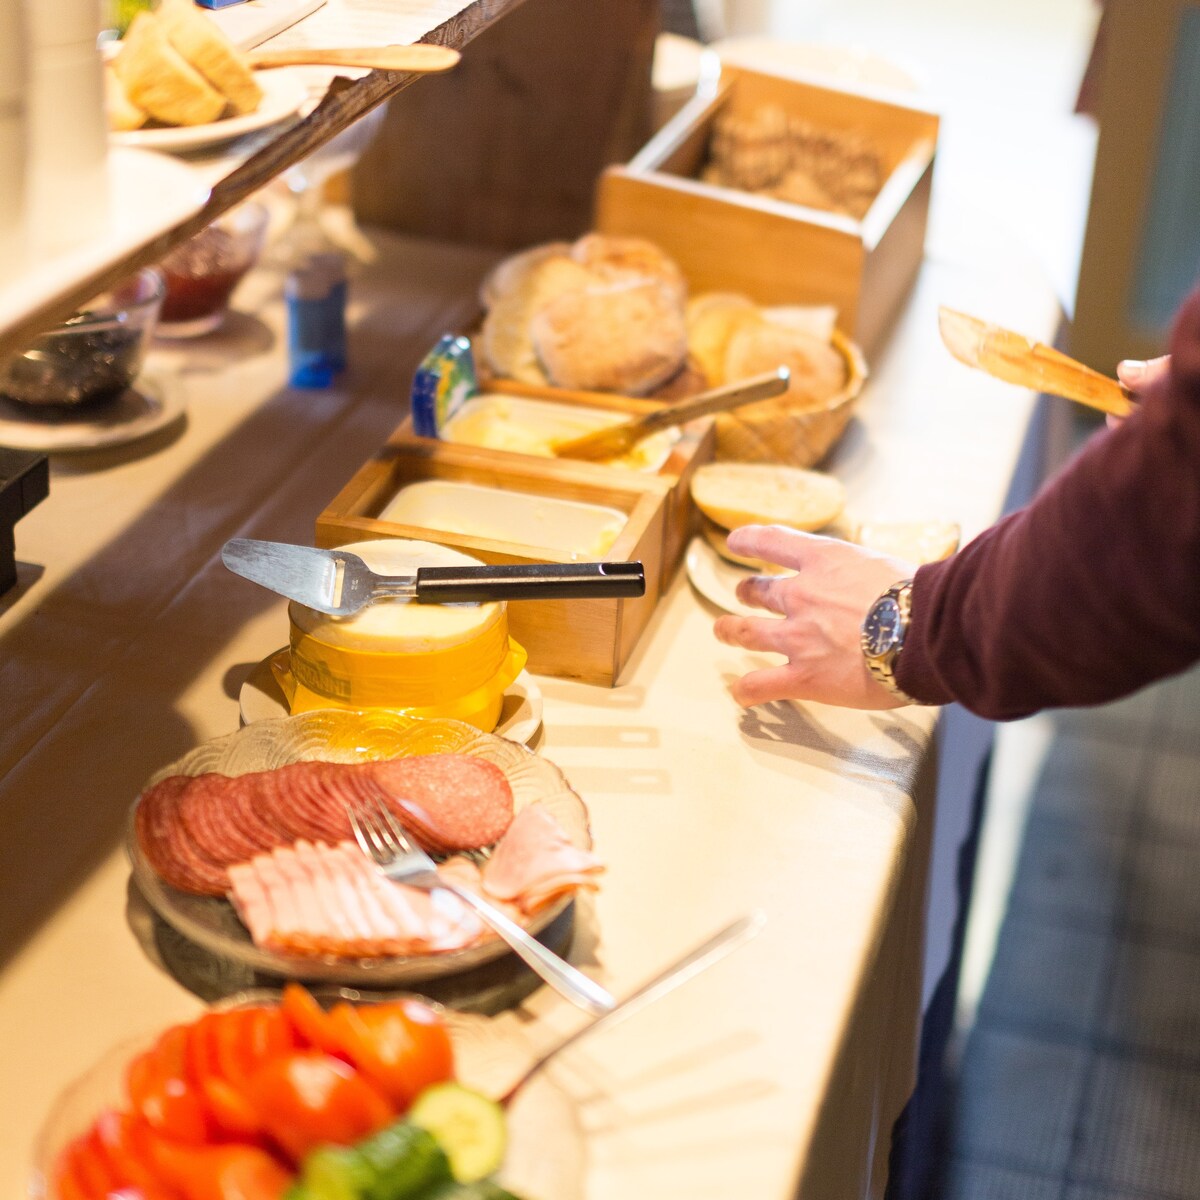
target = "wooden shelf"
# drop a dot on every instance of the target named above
(343, 104)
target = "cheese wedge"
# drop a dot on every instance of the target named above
(208, 50)
(159, 80)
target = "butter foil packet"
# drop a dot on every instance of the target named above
(444, 381)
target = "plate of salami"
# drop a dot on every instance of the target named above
(244, 845)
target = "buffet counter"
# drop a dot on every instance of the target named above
(125, 642)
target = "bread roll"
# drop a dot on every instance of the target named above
(208, 50)
(507, 274)
(712, 319)
(629, 260)
(735, 494)
(618, 338)
(506, 338)
(158, 79)
(818, 371)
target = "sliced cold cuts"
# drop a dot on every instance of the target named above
(192, 829)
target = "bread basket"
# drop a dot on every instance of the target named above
(780, 431)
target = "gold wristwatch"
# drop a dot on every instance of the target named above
(883, 631)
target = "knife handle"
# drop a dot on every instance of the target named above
(530, 581)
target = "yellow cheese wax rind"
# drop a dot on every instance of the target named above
(427, 659)
(480, 706)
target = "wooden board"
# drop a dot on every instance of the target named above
(777, 252)
(591, 639)
(505, 150)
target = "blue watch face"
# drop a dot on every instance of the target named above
(881, 629)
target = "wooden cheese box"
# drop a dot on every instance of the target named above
(695, 447)
(586, 639)
(777, 252)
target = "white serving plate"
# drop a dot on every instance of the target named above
(153, 402)
(284, 94)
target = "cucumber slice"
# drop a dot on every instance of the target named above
(480, 1189)
(469, 1126)
(335, 1173)
(400, 1162)
(405, 1160)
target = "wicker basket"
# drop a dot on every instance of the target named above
(779, 431)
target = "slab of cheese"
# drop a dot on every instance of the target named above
(433, 660)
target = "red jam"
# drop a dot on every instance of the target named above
(202, 273)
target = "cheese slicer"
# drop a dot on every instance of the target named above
(615, 440)
(339, 583)
(1015, 359)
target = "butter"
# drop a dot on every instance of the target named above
(524, 426)
(430, 660)
(583, 531)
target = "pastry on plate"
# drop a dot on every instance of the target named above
(212, 54)
(160, 81)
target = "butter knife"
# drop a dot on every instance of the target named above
(1015, 359)
(340, 583)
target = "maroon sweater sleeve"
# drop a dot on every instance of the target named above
(1090, 591)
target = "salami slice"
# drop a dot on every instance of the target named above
(167, 846)
(461, 802)
(192, 829)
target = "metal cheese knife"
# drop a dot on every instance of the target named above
(339, 583)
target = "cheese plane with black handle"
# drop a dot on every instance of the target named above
(339, 583)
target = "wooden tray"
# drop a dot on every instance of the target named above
(777, 252)
(695, 447)
(591, 639)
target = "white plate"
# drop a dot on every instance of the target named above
(260, 699)
(716, 578)
(284, 93)
(153, 403)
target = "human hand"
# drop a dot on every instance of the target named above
(1137, 376)
(822, 608)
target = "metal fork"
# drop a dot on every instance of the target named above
(383, 839)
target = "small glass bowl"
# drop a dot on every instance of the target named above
(202, 273)
(94, 355)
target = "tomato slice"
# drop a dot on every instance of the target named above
(229, 1172)
(166, 1100)
(201, 1051)
(118, 1135)
(269, 1033)
(66, 1180)
(309, 1021)
(90, 1166)
(307, 1099)
(402, 1046)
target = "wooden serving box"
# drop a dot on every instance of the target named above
(773, 251)
(586, 639)
(695, 447)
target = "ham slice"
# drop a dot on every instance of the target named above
(314, 898)
(534, 862)
(318, 898)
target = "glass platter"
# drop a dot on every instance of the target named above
(337, 736)
(546, 1152)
